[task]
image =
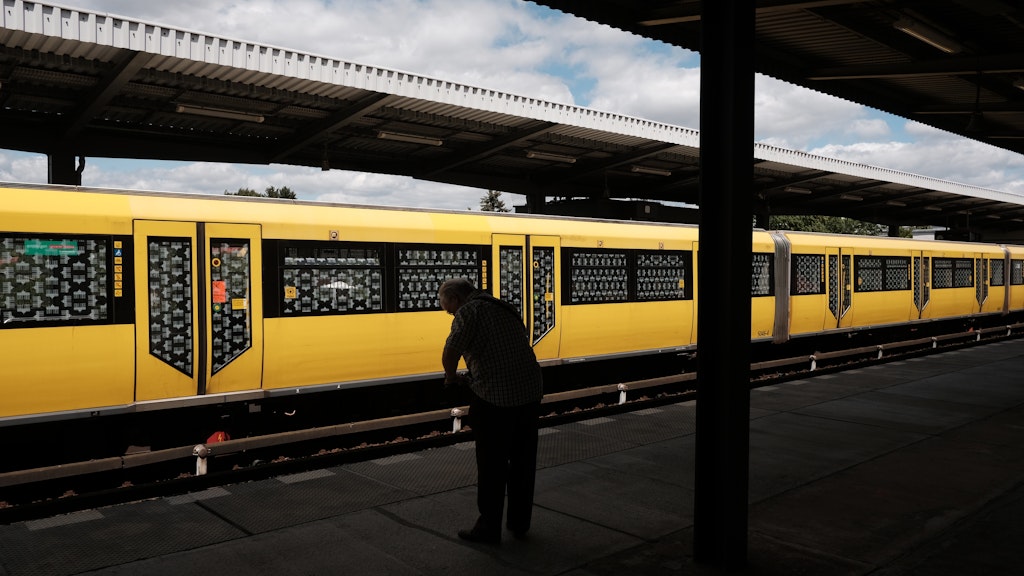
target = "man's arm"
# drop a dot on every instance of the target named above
(450, 362)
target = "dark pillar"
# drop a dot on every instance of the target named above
(894, 231)
(723, 335)
(762, 219)
(62, 169)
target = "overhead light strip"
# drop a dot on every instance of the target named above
(219, 113)
(797, 190)
(551, 157)
(928, 35)
(411, 138)
(651, 171)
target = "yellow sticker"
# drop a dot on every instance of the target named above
(117, 244)
(118, 293)
(682, 283)
(549, 296)
(238, 303)
(290, 292)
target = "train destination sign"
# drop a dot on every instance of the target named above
(37, 247)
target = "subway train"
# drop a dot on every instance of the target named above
(118, 302)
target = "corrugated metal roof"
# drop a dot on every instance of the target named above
(105, 85)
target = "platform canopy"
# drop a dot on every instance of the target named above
(75, 83)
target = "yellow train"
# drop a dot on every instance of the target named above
(115, 302)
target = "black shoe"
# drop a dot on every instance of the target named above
(480, 537)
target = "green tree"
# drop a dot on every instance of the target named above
(243, 192)
(270, 192)
(832, 225)
(492, 202)
(282, 192)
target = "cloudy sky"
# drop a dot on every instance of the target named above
(517, 47)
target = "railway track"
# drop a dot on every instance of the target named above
(50, 490)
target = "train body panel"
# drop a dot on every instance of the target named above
(337, 349)
(600, 329)
(113, 298)
(66, 368)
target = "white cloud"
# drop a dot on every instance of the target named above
(792, 117)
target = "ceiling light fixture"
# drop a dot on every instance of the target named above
(796, 190)
(551, 157)
(895, 203)
(1019, 83)
(411, 138)
(218, 113)
(651, 171)
(853, 197)
(928, 35)
(933, 208)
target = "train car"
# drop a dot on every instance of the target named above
(119, 302)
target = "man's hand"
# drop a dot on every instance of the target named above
(459, 379)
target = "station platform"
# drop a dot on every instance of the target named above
(909, 468)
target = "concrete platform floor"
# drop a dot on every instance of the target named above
(914, 468)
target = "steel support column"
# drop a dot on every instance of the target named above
(61, 169)
(723, 335)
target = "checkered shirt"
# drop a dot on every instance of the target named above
(490, 335)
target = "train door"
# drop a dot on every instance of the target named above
(922, 282)
(980, 281)
(199, 315)
(526, 276)
(840, 286)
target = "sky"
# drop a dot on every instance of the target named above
(516, 47)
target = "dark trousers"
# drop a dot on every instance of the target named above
(506, 456)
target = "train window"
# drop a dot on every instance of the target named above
(170, 301)
(664, 275)
(598, 276)
(952, 273)
(54, 280)
(881, 273)
(321, 278)
(511, 276)
(808, 274)
(997, 273)
(1017, 272)
(422, 269)
(543, 288)
(762, 281)
(230, 320)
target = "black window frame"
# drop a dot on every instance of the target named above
(769, 258)
(904, 266)
(632, 279)
(955, 264)
(483, 254)
(793, 276)
(119, 272)
(276, 253)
